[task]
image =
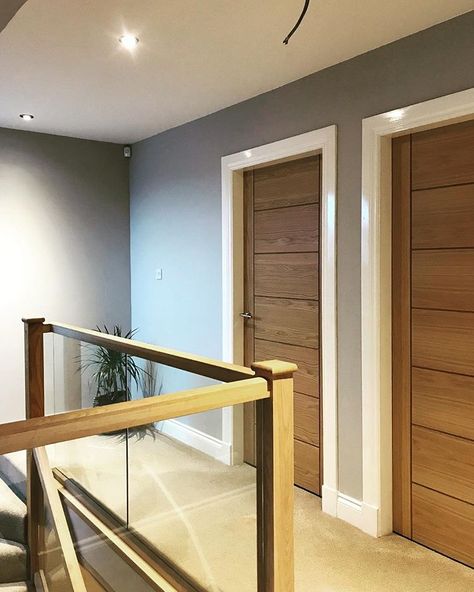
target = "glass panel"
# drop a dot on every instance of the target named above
(52, 559)
(191, 507)
(102, 561)
(79, 376)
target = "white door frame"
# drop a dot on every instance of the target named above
(377, 133)
(322, 141)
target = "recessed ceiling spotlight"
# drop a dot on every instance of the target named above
(129, 41)
(26, 116)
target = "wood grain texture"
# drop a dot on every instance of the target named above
(306, 378)
(287, 321)
(307, 466)
(287, 230)
(287, 275)
(287, 184)
(443, 340)
(443, 218)
(401, 335)
(250, 417)
(306, 419)
(200, 365)
(443, 156)
(444, 524)
(34, 330)
(444, 463)
(32, 433)
(275, 478)
(443, 279)
(443, 402)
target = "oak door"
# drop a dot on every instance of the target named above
(433, 339)
(282, 228)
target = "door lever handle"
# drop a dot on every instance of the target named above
(246, 315)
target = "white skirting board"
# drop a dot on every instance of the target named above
(350, 510)
(213, 447)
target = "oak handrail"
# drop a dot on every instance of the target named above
(269, 383)
(42, 431)
(195, 364)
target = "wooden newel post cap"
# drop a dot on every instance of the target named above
(33, 320)
(274, 369)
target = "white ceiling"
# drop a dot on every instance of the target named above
(61, 61)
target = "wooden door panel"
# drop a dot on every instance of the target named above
(287, 230)
(443, 218)
(443, 279)
(401, 335)
(287, 321)
(287, 184)
(444, 523)
(287, 275)
(443, 402)
(443, 340)
(307, 466)
(443, 156)
(282, 222)
(306, 418)
(433, 338)
(307, 376)
(444, 463)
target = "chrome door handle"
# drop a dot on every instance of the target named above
(246, 315)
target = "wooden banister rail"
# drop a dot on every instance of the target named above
(189, 362)
(35, 432)
(269, 383)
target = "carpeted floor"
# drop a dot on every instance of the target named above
(202, 515)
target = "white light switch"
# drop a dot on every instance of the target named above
(159, 274)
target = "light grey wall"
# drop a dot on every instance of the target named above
(64, 242)
(176, 192)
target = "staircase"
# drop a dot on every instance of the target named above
(13, 549)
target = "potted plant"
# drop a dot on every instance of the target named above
(116, 375)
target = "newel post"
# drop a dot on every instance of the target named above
(275, 478)
(34, 403)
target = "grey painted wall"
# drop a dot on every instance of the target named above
(64, 242)
(176, 192)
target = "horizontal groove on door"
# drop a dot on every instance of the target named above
(287, 184)
(443, 523)
(443, 279)
(444, 463)
(443, 156)
(443, 218)
(307, 376)
(443, 402)
(306, 418)
(443, 340)
(287, 275)
(307, 466)
(288, 230)
(287, 321)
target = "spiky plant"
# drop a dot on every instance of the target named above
(114, 374)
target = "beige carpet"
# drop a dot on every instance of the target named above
(202, 515)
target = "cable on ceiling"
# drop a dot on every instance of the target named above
(298, 23)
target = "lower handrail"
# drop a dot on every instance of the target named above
(72, 570)
(42, 431)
